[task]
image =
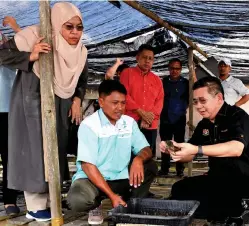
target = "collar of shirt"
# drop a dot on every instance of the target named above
(178, 80)
(105, 121)
(228, 79)
(223, 110)
(140, 71)
(221, 113)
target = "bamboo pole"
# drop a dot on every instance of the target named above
(191, 110)
(160, 21)
(50, 146)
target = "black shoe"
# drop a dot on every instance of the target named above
(180, 174)
(235, 221)
(154, 196)
(150, 195)
(12, 210)
(162, 173)
(65, 205)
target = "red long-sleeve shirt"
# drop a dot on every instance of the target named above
(144, 92)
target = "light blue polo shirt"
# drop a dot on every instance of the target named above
(107, 146)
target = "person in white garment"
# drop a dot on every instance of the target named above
(236, 93)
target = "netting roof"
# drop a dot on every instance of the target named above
(221, 28)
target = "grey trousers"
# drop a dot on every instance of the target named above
(84, 196)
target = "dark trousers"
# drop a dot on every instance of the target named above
(73, 139)
(219, 197)
(84, 196)
(9, 195)
(167, 132)
(150, 135)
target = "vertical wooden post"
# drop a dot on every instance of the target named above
(50, 146)
(191, 82)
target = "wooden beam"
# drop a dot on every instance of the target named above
(50, 146)
(163, 23)
(191, 110)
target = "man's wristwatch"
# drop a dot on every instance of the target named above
(200, 151)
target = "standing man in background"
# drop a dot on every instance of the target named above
(173, 116)
(236, 93)
(144, 101)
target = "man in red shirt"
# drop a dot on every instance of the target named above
(145, 95)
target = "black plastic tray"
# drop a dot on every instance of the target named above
(154, 211)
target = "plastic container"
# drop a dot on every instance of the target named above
(155, 212)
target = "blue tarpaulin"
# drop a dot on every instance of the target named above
(221, 28)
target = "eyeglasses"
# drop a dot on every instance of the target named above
(70, 27)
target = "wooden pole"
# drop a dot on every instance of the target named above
(50, 146)
(160, 21)
(191, 110)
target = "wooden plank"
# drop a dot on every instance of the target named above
(36, 223)
(68, 217)
(83, 222)
(72, 216)
(4, 216)
(77, 223)
(21, 220)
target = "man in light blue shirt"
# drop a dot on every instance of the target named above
(106, 142)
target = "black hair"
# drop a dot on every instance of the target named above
(145, 47)
(108, 86)
(122, 67)
(175, 60)
(212, 83)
